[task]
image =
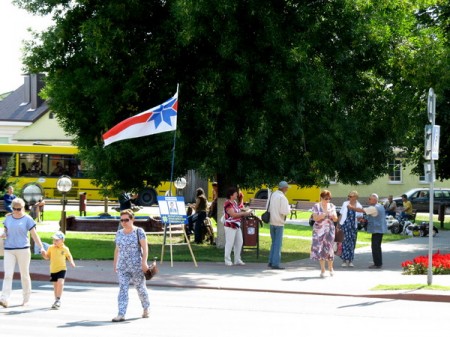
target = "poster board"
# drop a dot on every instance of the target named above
(172, 210)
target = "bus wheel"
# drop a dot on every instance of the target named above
(261, 194)
(147, 197)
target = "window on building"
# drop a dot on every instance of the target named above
(395, 171)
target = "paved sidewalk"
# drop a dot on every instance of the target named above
(298, 277)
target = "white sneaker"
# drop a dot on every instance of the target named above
(322, 275)
(240, 263)
(228, 264)
(351, 264)
(344, 264)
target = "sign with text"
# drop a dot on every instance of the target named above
(172, 210)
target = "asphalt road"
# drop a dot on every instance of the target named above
(87, 310)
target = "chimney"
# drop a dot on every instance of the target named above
(27, 89)
(37, 84)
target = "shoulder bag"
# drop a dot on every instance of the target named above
(153, 268)
(265, 217)
(338, 234)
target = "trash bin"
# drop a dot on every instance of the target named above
(83, 202)
(250, 233)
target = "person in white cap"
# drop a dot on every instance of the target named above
(376, 224)
(58, 253)
(278, 206)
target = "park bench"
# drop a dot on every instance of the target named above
(301, 205)
(2, 207)
(257, 203)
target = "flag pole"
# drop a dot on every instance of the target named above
(170, 192)
(173, 150)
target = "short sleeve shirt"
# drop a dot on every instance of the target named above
(58, 257)
(130, 256)
(371, 210)
(17, 231)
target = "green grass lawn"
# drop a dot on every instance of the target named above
(296, 244)
(410, 287)
(87, 246)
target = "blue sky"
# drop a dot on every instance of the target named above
(14, 23)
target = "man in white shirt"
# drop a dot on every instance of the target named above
(279, 208)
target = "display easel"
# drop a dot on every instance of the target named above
(173, 217)
(175, 229)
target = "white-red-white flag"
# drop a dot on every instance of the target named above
(161, 118)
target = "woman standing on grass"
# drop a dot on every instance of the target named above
(17, 249)
(232, 226)
(350, 227)
(130, 263)
(322, 248)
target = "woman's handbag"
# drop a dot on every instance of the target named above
(151, 271)
(338, 248)
(339, 234)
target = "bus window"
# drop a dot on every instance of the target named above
(63, 165)
(4, 159)
(30, 164)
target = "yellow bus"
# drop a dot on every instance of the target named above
(293, 194)
(43, 165)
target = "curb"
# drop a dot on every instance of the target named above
(392, 296)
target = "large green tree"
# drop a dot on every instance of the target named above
(434, 21)
(269, 89)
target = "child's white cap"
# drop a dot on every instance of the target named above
(58, 236)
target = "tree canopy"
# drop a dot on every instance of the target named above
(269, 89)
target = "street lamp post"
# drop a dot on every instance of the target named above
(64, 184)
(32, 193)
(180, 184)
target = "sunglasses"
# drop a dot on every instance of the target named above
(17, 209)
(124, 220)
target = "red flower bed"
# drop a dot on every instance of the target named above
(419, 265)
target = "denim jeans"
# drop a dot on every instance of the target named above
(276, 234)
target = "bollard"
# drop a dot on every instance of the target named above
(441, 214)
(83, 202)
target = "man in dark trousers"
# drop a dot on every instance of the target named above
(376, 224)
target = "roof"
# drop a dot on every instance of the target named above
(13, 108)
